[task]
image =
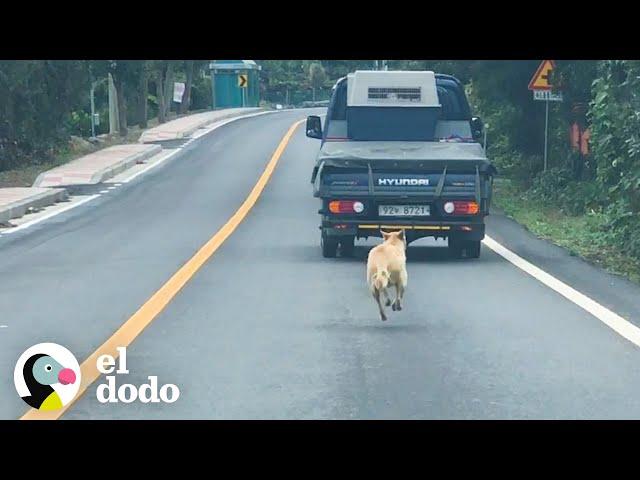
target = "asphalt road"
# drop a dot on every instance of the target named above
(268, 329)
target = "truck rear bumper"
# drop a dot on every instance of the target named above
(465, 230)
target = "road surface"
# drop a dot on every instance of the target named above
(269, 329)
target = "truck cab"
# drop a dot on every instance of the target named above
(400, 150)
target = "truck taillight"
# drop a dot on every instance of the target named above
(461, 207)
(346, 206)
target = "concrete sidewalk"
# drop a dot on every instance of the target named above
(104, 164)
(14, 202)
(96, 167)
(184, 127)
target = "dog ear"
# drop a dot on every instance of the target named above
(385, 235)
(401, 234)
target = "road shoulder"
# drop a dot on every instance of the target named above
(613, 291)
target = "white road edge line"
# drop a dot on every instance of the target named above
(621, 326)
(49, 215)
(153, 165)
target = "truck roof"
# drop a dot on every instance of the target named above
(392, 89)
(450, 93)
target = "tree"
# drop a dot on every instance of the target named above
(144, 93)
(186, 98)
(125, 75)
(317, 77)
(168, 86)
(36, 101)
(575, 78)
(160, 69)
(160, 76)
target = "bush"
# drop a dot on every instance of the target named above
(547, 185)
(201, 98)
(624, 228)
(36, 101)
(579, 198)
(556, 186)
(80, 123)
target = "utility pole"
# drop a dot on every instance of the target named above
(114, 126)
(93, 111)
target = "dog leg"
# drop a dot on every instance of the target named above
(376, 295)
(400, 286)
(386, 295)
(396, 304)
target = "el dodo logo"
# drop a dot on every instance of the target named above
(47, 376)
(127, 392)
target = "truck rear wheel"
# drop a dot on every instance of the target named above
(473, 248)
(329, 246)
(455, 248)
(462, 248)
(347, 246)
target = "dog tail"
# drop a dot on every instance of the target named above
(380, 280)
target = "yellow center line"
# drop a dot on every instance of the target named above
(157, 303)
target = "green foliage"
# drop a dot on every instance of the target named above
(36, 99)
(201, 98)
(317, 75)
(558, 188)
(43, 102)
(615, 116)
(80, 123)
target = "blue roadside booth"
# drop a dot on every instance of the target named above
(227, 78)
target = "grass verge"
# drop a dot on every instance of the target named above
(580, 235)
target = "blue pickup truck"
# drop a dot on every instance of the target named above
(400, 150)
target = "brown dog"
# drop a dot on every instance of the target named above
(386, 266)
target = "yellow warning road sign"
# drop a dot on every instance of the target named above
(243, 80)
(540, 80)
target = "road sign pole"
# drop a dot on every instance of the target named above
(546, 133)
(242, 84)
(543, 90)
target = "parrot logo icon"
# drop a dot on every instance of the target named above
(47, 376)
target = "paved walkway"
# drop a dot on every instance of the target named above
(104, 164)
(14, 202)
(185, 126)
(96, 167)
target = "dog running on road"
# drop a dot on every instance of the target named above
(386, 266)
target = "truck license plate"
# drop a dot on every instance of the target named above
(403, 210)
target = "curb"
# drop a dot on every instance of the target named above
(43, 199)
(104, 174)
(163, 137)
(125, 164)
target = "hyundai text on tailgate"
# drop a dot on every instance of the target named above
(400, 150)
